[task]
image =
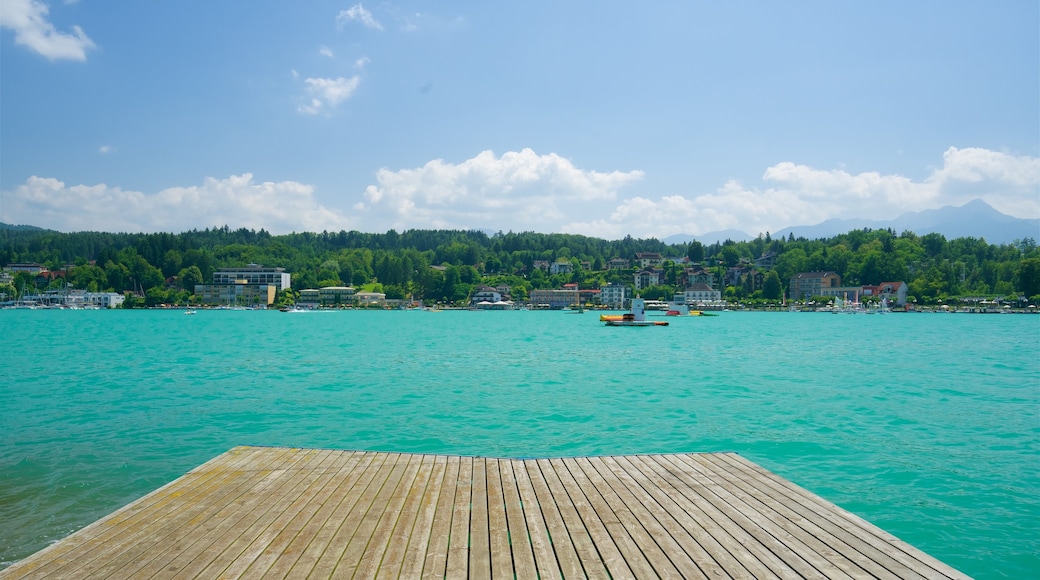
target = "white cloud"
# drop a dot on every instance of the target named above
(361, 62)
(519, 191)
(328, 93)
(105, 149)
(794, 194)
(325, 51)
(236, 201)
(32, 29)
(525, 191)
(357, 12)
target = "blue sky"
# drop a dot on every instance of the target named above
(600, 118)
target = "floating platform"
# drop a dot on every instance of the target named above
(259, 512)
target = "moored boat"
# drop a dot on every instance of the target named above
(636, 317)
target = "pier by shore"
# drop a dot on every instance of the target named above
(284, 512)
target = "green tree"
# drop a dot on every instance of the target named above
(190, 277)
(155, 296)
(730, 255)
(771, 286)
(172, 263)
(1027, 277)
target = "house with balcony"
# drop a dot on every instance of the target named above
(701, 294)
(647, 278)
(617, 264)
(561, 266)
(336, 295)
(554, 298)
(696, 274)
(649, 260)
(746, 277)
(807, 284)
(236, 293)
(766, 261)
(485, 294)
(614, 296)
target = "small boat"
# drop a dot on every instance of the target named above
(189, 311)
(637, 317)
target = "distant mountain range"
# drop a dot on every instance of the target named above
(975, 219)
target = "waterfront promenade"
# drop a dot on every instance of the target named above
(287, 512)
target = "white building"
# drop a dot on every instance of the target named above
(614, 296)
(486, 294)
(701, 294)
(103, 299)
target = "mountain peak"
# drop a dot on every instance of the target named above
(975, 219)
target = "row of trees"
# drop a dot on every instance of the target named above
(399, 264)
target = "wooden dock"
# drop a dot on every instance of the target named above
(258, 512)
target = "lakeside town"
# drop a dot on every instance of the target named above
(256, 287)
(862, 270)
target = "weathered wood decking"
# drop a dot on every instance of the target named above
(276, 512)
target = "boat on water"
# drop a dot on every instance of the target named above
(679, 307)
(636, 317)
(189, 311)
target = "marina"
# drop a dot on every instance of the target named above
(256, 512)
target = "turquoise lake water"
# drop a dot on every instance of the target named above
(927, 425)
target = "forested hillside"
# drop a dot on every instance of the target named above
(164, 267)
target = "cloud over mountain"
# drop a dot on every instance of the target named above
(798, 194)
(527, 191)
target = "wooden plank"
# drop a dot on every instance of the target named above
(499, 545)
(459, 540)
(725, 549)
(832, 551)
(559, 558)
(116, 531)
(633, 557)
(479, 526)
(661, 550)
(382, 534)
(407, 525)
(519, 536)
(435, 564)
(369, 539)
(682, 548)
(289, 544)
(873, 542)
(325, 553)
(771, 532)
(271, 546)
(414, 552)
(579, 536)
(723, 515)
(612, 557)
(260, 506)
(306, 548)
(142, 545)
